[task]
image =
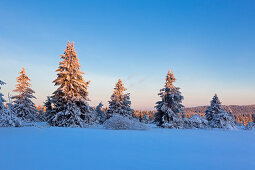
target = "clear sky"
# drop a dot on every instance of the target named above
(210, 46)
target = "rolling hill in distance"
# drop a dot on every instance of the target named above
(235, 109)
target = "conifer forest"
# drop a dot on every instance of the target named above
(68, 106)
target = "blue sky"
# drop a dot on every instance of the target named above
(210, 46)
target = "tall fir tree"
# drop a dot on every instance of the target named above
(170, 106)
(69, 100)
(71, 84)
(23, 106)
(120, 102)
(217, 117)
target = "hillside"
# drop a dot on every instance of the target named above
(236, 109)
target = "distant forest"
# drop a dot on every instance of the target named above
(242, 114)
(235, 109)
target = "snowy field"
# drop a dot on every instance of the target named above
(82, 148)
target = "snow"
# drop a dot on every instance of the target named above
(117, 122)
(250, 126)
(87, 148)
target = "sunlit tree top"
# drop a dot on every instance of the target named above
(170, 79)
(72, 85)
(23, 87)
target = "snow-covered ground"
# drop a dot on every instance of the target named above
(83, 148)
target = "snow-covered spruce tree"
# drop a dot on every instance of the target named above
(70, 108)
(2, 106)
(145, 119)
(250, 126)
(214, 108)
(120, 102)
(168, 109)
(100, 115)
(22, 104)
(217, 117)
(48, 108)
(7, 117)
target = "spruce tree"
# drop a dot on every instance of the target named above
(1, 97)
(70, 99)
(145, 119)
(100, 114)
(7, 117)
(214, 108)
(49, 108)
(170, 107)
(23, 105)
(218, 117)
(71, 84)
(120, 102)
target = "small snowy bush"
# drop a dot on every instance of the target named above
(250, 126)
(198, 122)
(8, 119)
(118, 122)
(195, 121)
(145, 119)
(176, 123)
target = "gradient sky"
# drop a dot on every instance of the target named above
(210, 46)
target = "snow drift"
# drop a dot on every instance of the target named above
(118, 122)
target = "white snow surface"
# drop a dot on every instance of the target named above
(32, 148)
